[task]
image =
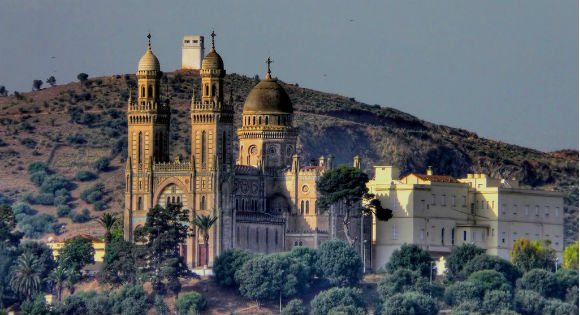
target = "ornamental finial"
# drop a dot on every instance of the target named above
(149, 38)
(268, 62)
(212, 39)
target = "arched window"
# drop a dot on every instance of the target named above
(213, 90)
(150, 91)
(267, 120)
(453, 236)
(307, 207)
(206, 90)
(300, 243)
(173, 199)
(443, 236)
(276, 238)
(302, 207)
(139, 203)
(278, 120)
(203, 148)
(253, 120)
(168, 201)
(236, 204)
(202, 204)
(178, 199)
(139, 148)
(142, 91)
(259, 120)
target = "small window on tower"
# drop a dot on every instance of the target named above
(186, 41)
(194, 41)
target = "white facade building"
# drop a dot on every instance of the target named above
(192, 52)
(439, 212)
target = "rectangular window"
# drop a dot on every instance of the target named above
(453, 201)
(433, 199)
(473, 239)
(422, 234)
(395, 235)
(537, 210)
(464, 236)
(503, 237)
(503, 208)
(547, 211)
(194, 41)
(422, 205)
(186, 41)
(515, 209)
(557, 212)
(464, 201)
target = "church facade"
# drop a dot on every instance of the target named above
(264, 199)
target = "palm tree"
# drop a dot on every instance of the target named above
(59, 277)
(26, 277)
(107, 221)
(204, 224)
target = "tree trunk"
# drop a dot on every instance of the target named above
(206, 241)
(346, 227)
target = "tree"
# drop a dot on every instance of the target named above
(7, 225)
(400, 281)
(58, 278)
(226, 265)
(497, 300)
(410, 256)
(25, 279)
(160, 306)
(308, 257)
(120, 264)
(204, 224)
(36, 84)
(339, 263)
(165, 229)
(3, 91)
(529, 302)
(85, 176)
(294, 307)
(346, 186)
(190, 303)
(410, 303)
(83, 77)
(463, 292)
(102, 164)
(107, 221)
(77, 253)
(459, 257)
(541, 281)
(484, 261)
(566, 279)
(46, 262)
(8, 260)
(329, 301)
(488, 280)
(51, 80)
(35, 306)
(86, 302)
(271, 277)
(571, 256)
(530, 255)
(130, 299)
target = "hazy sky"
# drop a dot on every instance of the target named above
(507, 70)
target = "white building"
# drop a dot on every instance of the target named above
(439, 212)
(192, 52)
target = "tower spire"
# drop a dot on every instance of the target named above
(268, 62)
(149, 39)
(212, 39)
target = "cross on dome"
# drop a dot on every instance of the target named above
(212, 39)
(268, 62)
(149, 38)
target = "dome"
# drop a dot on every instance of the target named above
(268, 97)
(213, 61)
(149, 62)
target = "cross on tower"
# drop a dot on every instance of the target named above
(149, 38)
(212, 39)
(268, 62)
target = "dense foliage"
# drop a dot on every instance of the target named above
(190, 303)
(345, 300)
(459, 257)
(226, 265)
(339, 263)
(410, 256)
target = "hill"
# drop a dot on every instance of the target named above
(70, 126)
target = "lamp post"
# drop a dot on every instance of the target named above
(431, 277)
(556, 262)
(364, 257)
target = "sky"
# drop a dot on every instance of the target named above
(507, 70)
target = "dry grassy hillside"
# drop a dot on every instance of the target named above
(71, 126)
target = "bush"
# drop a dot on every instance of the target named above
(308, 257)
(45, 199)
(489, 280)
(85, 176)
(60, 200)
(102, 164)
(529, 302)
(226, 265)
(76, 138)
(130, 299)
(55, 182)
(160, 306)
(190, 303)
(484, 261)
(36, 167)
(410, 256)
(409, 303)
(63, 211)
(496, 299)
(572, 296)
(294, 307)
(82, 217)
(28, 142)
(333, 298)
(35, 226)
(541, 281)
(22, 208)
(566, 279)
(467, 308)
(35, 306)
(339, 263)
(100, 205)
(400, 281)
(5, 200)
(461, 292)
(93, 193)
(38, 178)
(459, 257)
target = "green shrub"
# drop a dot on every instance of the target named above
(22, 208)
(308, 257)
(332, 298)
(85, 176)
(485, 262)
(36, 167)
(464, 291)
(339, 263)
(93, 193)
(45, 199)
(5, 200)
(38, 178)
(100, 205)
(160, 306)
(190, 303)
(28, 142)
(55, 182)
(85, 302)
(35, 306)
(489, 280)
(496, 299)
(410, 256)
(294, 307)
(102, 164)
(226, 265)
(129, 300)
(566, 279)
(63, 211)
(459, 257)
(76, 138)
(572, 296)
(35, 226)
(84, 216)
(409, 303)
(541, 281)
(60, 200)
(400, 281)
(529, 302)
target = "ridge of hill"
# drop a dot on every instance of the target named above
(72, 125)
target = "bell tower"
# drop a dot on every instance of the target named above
(148, 135)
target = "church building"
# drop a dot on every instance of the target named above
(264, 199)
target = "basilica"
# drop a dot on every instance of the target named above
(264, 199)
